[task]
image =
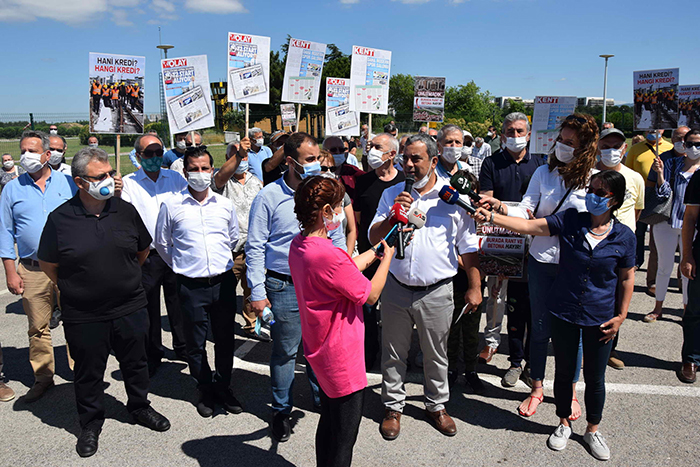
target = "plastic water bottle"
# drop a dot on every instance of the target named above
(266, 317)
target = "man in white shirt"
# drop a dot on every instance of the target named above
(195, 234)
(58, 145)
(419, 289)
(146, 189)
(178, 165)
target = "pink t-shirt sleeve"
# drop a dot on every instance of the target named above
(345, 279)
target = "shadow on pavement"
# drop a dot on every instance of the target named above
(633, 359)
(17, 367)
(15, 308)
(233, 450)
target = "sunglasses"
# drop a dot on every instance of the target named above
(325, 168)
(690, 144)
(336, 150)
(153, 152)
(192, 149)
(574, 118)
(101, 177)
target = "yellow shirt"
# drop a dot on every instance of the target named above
(634, 197)
(640, 157)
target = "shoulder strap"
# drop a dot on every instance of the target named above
(561, 202)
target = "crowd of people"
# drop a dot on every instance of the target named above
(341, 250)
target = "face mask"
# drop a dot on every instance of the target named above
(56, 157)
(374, 158)
(310, 169)
(31, 162)
(242, 167)
(692, 153)
(451, 154)
(596, 205)
(399, 159)
(328, 174)
(199, 181)
(153, 164)
(652, 137)
(335, 222)
(516, 144)
(611, 157)
(101, 190)
(423, 181)
(93, 145)
(564, 153)
(259, 142)
(466, 152)
(53, 132)
(489, 134)
(340, 158)
(181, 144)
(8, 164)
(679, 146)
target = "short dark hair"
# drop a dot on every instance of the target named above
(137, 143)
(195, 152)
(312, 195)
(292, 145)
(689, 134)
(389, 128)
(430, 144)
(615, 183)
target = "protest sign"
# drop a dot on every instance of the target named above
(116, 93)
(501, 251)
(428, 99)
(248, 69)
(369, 80)
(289, 115)
(548, 114)
(302, 74)
(656, 99)
(340, 120)
(689, 106)
(187, 93)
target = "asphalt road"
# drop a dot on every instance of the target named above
(650, 417)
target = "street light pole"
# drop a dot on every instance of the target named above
(605, 86)
(163, 112)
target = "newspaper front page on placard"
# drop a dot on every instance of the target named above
(248, 68)
(302, 73)
(187, 93)
(369, 80)
(428, 99)
(548, 114)
(340, 120)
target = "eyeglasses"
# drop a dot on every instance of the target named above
(600, 192)
(101, 177)
(571, 118)
(325, 168)
(336, 150)
(56, 149)
(690, 144)
(152, 152)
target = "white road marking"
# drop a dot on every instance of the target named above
(4, 292)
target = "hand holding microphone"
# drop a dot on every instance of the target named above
(400, 254)
(450, 196)
(416, 220)
(464, 186)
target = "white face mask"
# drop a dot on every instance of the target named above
(516, 144)
(692, 153)
(489, 134)
(466, 152)
(8, 164)
(399, 160)
(53, 132)
(182, 144)
(93, 145)
(564, 153)
(451, 154)
(335, 222)
(679, 146)
(259, 142)
(423, 181)
(611, 157)
(101, 190)
(199, 181)
(374, 158)
(31, 162)
(56, 157)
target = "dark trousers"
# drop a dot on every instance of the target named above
(565, 338)
(640, 232)
(518, 310)
(337, 429)
(372, 337)
(90, 345)
(204, 305)
(690, 352)
(466, 331)
(154, 273)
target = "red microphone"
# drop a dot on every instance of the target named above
(398, 214)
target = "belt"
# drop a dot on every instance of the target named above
(282, 277)
(29, 262)
(423, 288)
(213, 280)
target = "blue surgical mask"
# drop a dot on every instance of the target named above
(242, 167)
(596, 205)
(311, 169)
(652, 136)
(152, 164)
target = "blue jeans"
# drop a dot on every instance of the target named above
(541, 279)
(286, 339)
(690, 352)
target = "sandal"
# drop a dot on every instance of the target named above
(532, 398)
(571, 417)
(652, 317)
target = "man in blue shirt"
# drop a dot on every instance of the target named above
(177, 152)
(272, 227)
(258, 152)
(25, 204)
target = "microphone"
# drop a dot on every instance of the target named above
(450, 196)
(416, 220)
(400, 253)
(464, 186)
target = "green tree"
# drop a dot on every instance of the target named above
(401, 89)
(470, 103)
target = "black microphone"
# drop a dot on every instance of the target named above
(400, 242)
(450, 196)
(464, 186)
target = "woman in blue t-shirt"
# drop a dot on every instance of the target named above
(590, 296)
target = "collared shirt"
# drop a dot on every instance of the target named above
(495, 144)
(272, 226)
(64, 169)
(543, 194)
(242, 196)
(670, 154)
(25, 208)
(255, 160)
(506, 178)
(675, 183)
(171, 156)
(432, 254)
(99, 275)
(179, 166)
(196, 239)
(442, 172)
(147, 195)
(584, 291)
(475, 164)
(483, 152)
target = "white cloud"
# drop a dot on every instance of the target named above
(64, 11)
(349, 2)
(164, 5)
(124, 3)
(411, 2)
(216, 6)
(121, 18)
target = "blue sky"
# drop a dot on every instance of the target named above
(509, 47)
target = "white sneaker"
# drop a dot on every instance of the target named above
(558, 439)
(599, 448)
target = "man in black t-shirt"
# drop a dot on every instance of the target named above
(93, 247)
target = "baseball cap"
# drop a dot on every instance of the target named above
(611, 131)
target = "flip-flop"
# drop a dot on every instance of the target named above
(651, 317)
(571, 416)
(532, 398)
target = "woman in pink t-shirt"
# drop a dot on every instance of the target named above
(331, 290)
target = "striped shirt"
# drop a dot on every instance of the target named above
(675, 182)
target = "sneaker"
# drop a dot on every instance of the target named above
(615, 361)
(55, 320)
(6, 392)
(525, 377)
(511, 377)
(557, 440)
(474, 382)
(596, 443)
